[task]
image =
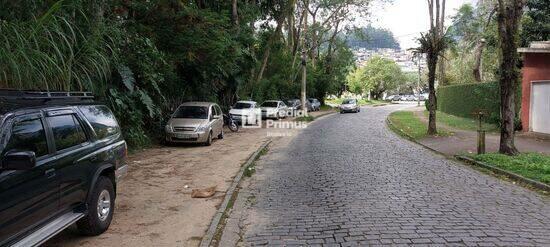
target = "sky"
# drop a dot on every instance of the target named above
(407, 18)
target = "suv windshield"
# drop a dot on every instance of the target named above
(199, 112)
(241, 105)
(270, 104)
(348, 101)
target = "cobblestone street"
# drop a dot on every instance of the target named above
(348, 180)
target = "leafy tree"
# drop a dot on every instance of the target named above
(433, 43)
(536, 22)
(377, 76)
(372, 38)
(509, 17)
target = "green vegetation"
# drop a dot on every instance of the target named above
(462, 123)
(144, 58)
(326, 108)
(407, 124)
(372, 38)
(338, 101)
(535, 22)
(377, 76)
(305, 118)
(530, 165)
(464, 99)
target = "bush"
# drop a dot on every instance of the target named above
(464, 99)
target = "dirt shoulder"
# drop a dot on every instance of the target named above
(154, 205)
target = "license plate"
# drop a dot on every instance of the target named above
(186, 136)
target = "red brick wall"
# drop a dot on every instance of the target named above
(536, 67)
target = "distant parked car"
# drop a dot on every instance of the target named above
(315, 104)
(350, 105)
(394, 97)
(247, 112)
(274, 109)
(403, 98)
(293, 104)
(410, 98)
(195, 122)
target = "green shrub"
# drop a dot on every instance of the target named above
(464, 99)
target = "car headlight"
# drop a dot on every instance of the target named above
(202, 128)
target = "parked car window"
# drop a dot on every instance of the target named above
(67, 131)
(218, 110)
(270, 104)
(28, 135)
(199, 112)
(212, 113)
(241, 105)
(102, 120)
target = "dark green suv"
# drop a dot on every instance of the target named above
(62, 155)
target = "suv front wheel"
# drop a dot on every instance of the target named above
(101, 207)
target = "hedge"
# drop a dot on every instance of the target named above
(463, 99)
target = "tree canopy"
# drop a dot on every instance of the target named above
(377, 76)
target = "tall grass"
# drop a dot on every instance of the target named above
(61, 50)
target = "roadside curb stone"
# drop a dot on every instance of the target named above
(212, 230)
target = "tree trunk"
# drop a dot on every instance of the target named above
(432, 101)
(268, 48)
(477, 59)
(235, 14)
(509, 15)
(290, 23)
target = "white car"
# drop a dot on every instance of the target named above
(246, 112)
(350, 105)
(274, 109)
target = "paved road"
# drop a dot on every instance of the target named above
(347, 180)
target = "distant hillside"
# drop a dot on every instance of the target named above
(372, 38)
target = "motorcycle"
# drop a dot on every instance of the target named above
(230, 123)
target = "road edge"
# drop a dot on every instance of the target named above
(410, 138)
(511, 175)
(526, 182)
(229, 195)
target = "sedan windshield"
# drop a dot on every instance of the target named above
(348, 101)
(199, 112)
(241, 105)
(270, 104)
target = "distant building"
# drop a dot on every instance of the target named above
(535, 100)
(403, 58)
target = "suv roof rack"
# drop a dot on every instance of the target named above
(47, 95)
(16, 99)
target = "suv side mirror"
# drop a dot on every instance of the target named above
(19, 160)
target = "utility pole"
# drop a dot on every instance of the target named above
(419, 55)
(304, 60)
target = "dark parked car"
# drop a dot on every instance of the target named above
(293, 104)
(314, 104)
(62, 155)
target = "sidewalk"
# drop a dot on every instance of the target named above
(463, 141)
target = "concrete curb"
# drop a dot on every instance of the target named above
(470, 161)
(410, 138)
(210, 233)
(511, 175)
(212, 230)
(324, 114)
